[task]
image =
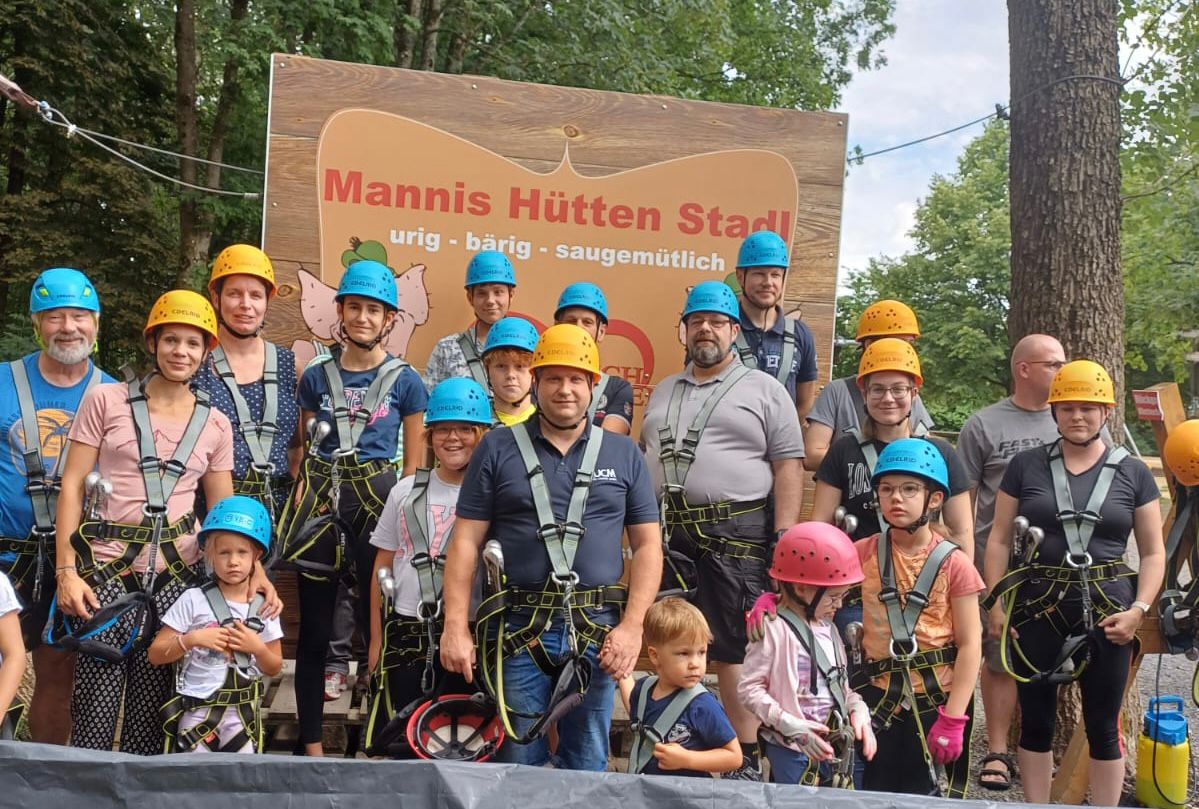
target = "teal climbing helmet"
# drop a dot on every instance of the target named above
(511, 332)
(585, 295)
(915, 457)
(458, 399)
(490, 267)
(60, 287)
(241, 515)
(763, 248)
(369, 279)
(713, 296)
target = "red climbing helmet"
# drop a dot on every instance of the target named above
(817, 554)
(456, 727)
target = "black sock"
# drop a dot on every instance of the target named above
(752, 755)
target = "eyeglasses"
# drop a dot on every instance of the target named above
(906, 490)
(1055, 365)
(896, 391)
(712, 322)
(456, 430)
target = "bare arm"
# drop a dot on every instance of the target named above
(217, 486)
(676, 757)
(621, 647)
(788, 492)
(414, 443)
(967, 636)
(1147, 528)
(816, 440)
(615, 424)
(956, 515)
(12, 650)
(805, 397)
(825, 502)
(461, 560)
(999, 541)
(74, 595)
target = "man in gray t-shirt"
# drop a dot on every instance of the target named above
(989, 440)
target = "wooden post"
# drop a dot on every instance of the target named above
(1164, 410)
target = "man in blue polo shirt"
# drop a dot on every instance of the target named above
(499, 501)
(66, 318)
(782, 347)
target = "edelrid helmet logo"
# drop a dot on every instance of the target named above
(240, 521)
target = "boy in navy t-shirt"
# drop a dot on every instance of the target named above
(700, 741)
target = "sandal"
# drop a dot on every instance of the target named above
(996, 779)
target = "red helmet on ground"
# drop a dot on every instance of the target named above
(455, 727)
(816, 554)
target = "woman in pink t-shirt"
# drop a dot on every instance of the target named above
(103, 557)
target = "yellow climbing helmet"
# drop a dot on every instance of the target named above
(182, 306)
(1181, 452)
(1082, 381)
(887, 318)
(567, 344)
(890, 354)
(242, 259)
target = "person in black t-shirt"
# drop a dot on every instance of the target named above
(1062, 631)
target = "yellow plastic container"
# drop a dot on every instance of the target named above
(1164, 751)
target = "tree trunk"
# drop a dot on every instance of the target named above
(1065, 179)
(405, 33)
(428, 54)
(186, 70)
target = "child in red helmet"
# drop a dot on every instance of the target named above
(794, 676)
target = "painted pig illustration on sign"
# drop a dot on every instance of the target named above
(320, 310)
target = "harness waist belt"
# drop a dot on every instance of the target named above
(723, 511)
(518, 598)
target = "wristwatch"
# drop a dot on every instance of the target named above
(1142, 606)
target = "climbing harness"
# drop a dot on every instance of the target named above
(905, 659)
(135, 611)
(833, 671)
(1178, 604)
(241, 692)
(1053, 583)
(261, 477)
(314, 535)
(474, 362)
(597, 394)
(646, 735)
(750, 359)
(710, 527)
(560, 595)
(32, 555)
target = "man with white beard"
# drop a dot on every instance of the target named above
(39, 394)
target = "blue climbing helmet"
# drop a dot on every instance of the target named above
(459, 399)
(763, 248)
(241, 515)
(712, 296)
(60, 287)
(586, 295)
(915, 457)
(511, 332)
(369, 279)
(490, 267)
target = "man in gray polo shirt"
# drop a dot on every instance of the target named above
(987, 443)
(743, 485)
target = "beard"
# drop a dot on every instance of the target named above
(706, 355)
(69, 356)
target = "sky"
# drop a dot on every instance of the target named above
(946, 64)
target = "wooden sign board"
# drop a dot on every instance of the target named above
(1148, 404)
(645, 196)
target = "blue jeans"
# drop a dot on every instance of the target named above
(788, 766)
(582, 733)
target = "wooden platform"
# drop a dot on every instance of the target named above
(343, 720)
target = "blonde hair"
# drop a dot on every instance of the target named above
(673, 619)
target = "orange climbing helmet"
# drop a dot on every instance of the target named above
(184, 307)
(1181, 452)
(568, 345)
(887, 318)
(1082, 381)
(890, 354)
(242, 259)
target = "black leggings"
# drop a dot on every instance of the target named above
(1102, 684)
(359, 507)
(899, 765)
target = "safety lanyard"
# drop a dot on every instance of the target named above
(259, 436)
(902, 617)
(561, 538)
(160, 477)
(474, 363)
(678, 455)
(833, 671)
(351, 424)
(224, 616)
(42, 484)
(646, 737)
(428, 569)
(597, 393)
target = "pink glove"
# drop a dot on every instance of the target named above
(945, 736)
(766, 607)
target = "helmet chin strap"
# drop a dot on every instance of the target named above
(1086, 443)
(924, 518)
(568, 427)
(809, 609)
(380, 337)
(236, 334)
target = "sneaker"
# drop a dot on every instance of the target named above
(335, 683)
(746, 772)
